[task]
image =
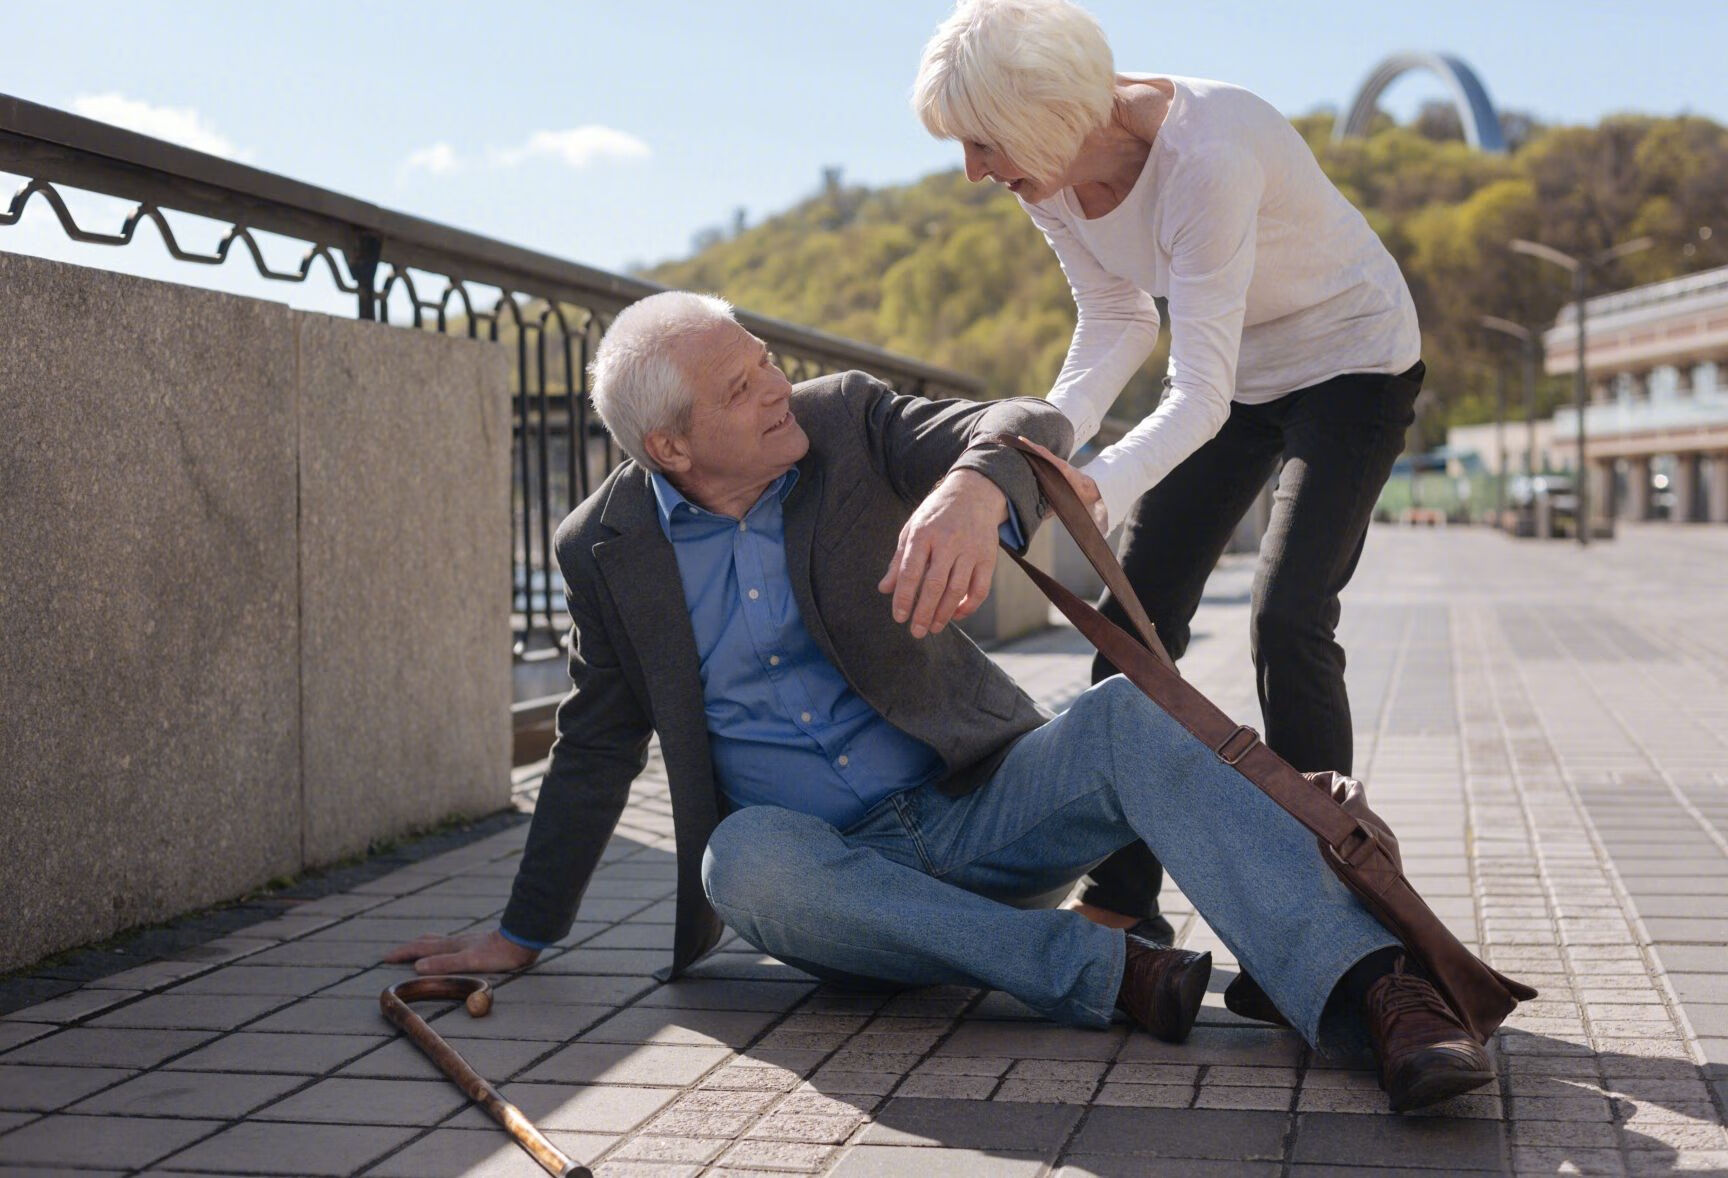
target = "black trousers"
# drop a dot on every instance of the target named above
(1333, 446)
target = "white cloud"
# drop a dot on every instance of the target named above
(177, 124)
(440, 159)
(575, 148)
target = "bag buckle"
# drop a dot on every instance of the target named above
(1229, 753)
(1357, 845)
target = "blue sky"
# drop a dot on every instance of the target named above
(610, 133)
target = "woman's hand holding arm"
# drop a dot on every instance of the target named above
(1084, 487)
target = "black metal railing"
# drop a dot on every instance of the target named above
(548, 312)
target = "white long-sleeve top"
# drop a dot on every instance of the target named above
(1275, 282)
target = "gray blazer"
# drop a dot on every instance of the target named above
(874, 456)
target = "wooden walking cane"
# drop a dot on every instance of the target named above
(476, 995)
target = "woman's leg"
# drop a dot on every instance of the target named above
(1340, 440)
(1172, 539)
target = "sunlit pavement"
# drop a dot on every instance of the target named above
(1547, 729)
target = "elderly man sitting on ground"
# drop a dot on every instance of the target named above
(856, 788)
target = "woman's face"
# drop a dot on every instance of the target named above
(987, 162)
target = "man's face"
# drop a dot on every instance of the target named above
(742, 432)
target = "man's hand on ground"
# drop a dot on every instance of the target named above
(475, 952)
(946, 557)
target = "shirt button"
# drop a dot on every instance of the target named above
(844, 760)
(754, 595)
(773, 660)
(805, 716)
(743, 526)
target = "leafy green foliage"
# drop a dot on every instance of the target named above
(954, 273)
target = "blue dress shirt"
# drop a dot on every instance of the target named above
(784, 726)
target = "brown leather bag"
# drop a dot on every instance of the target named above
(1354, 841)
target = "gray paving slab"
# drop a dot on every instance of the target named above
(44, 1088)
(578, 1108)
(968, 1124)
(1228, 1135)
(259, 1147)
(887, 1161)
(14, 1034)
(548, 1022)
(104, 1142)
(701, 994)
(358, 1100)
(214, 1012)
(326, 1016)
(478, 1153)
(71, 1008)
(188, 1094)
(1453, 1145)
(290, 981)
(298, 1054)
(107, 1047)
(617, 1063)
(733, 1029)
(399, 1059)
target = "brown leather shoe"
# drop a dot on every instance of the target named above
(1426, 1055)
(1162, 988)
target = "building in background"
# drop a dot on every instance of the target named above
(1656, 427)
(1548, 451)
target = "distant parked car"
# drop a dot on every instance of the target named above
(1524, 489)
(1558, 492)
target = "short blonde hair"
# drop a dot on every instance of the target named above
(1030, 77)
(637, 381)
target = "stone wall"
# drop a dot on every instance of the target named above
(252, 613)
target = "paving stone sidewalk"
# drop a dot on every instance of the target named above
(1547, 728)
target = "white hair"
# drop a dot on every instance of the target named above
(636, 381)
(1030, 77)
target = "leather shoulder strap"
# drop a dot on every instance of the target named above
(1093, 546)
(1148, 665)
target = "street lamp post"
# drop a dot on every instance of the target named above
(1529, 341)
(1581, 270)
(1499, 445)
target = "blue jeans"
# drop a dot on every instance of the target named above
(923, 889)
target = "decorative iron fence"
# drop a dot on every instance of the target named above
(550, 313)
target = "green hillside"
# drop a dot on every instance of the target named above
(955, 273)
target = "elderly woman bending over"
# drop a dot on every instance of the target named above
(1294, 347)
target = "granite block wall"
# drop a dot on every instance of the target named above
(252, 594)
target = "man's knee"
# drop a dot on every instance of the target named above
(1114, 710)
(751, 852)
